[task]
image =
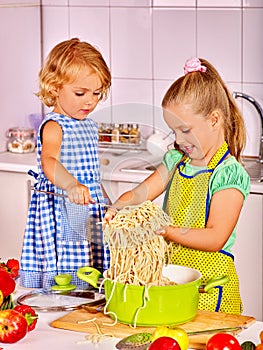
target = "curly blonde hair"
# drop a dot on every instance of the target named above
(206, 92)
(63, 65)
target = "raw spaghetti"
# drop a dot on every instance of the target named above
(137, 253)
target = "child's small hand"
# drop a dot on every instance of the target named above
(161, 231)
(166, 232)
(79, 194)
(171, 232)
(110, 214)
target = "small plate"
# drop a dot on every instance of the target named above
(50, 300)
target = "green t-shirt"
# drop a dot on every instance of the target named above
(228, 174)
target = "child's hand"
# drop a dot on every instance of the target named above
(110, 214)
(79, 194)
(161, 231)
(166, 232)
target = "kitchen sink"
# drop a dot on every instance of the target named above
(254, 169)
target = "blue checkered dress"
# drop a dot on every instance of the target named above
(61, 236)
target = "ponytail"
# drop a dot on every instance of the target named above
(204, 89)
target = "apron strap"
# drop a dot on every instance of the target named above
(208, 192)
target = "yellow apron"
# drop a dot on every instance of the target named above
(188, 206)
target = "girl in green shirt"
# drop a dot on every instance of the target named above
(204, 181)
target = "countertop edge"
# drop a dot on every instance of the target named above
(22, 163)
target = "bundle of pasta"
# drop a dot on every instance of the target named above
(137, 253)
(134, 225)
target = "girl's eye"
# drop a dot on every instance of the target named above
(186, 131)
(97, 94)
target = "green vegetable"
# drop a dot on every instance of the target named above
(248, 345)
(138, 341)
(8, 303)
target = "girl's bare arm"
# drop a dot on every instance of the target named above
(223, 216)
(54, 170)
(149, 189)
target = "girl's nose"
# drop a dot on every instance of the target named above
(88, 103)
(89, 98)
(179, 138)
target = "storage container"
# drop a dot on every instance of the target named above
(21, 140)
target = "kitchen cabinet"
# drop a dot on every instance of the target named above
(111, 188)
(15, 196)
(115, 188)
(248, 255)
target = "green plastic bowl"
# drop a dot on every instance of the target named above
(169, 305)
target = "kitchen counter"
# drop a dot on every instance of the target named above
(17, 162)
(45, 337)
(112, 165)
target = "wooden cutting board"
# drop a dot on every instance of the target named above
(98, 322)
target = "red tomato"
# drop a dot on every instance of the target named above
(164, 343)
(7, 283)
(223, 341)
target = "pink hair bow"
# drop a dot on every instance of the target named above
(193, 65)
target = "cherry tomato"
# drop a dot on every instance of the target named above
(261, 337)
(223, 341)
(259, 347)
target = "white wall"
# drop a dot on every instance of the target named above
(145, 43)
(19, 64)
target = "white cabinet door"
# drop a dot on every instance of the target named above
(112, 189)
(14, 200)
(248, 255)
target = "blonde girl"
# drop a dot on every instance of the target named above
(204, 180)
(61, 233)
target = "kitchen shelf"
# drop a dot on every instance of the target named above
(123, 146)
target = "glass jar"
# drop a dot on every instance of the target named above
(115, 137)
(124, 133)
(135, 135)
(21, 140)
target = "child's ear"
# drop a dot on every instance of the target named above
(54, 92)
(215, 118)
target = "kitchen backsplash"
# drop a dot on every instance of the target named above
(145, 43)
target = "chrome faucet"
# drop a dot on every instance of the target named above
(260, 113)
